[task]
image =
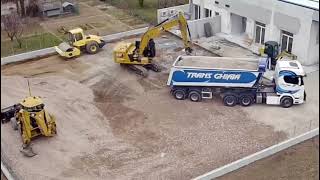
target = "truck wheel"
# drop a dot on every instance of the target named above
(230, 100)
(246, 100)
(179, 94)
(14, 123)
(286, 102)
(195, 96)
(92, 47)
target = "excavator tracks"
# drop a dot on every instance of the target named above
(138, 69)
(154, 67)
(143, 70)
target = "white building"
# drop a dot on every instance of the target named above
(294, 24)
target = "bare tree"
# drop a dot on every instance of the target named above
(13, 26)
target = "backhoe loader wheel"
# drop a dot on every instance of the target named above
(14, 123)
(92, 47)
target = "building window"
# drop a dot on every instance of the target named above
(208, 13)
(286, 41)
(197, 11)
(260, 32)
(216, 13)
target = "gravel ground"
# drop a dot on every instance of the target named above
(298, 162)
(113, 124)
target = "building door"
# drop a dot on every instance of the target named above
(286, 41)
(197, 11)
(260, 32)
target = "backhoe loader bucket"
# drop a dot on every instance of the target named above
(27, 151)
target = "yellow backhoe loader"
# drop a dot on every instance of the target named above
(31, 120)
(77, 42)
(138, 56)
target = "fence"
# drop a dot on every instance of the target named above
(299, 129)
(218, 172)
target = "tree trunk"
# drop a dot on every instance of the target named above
(11, 38)
(22, 8)
(17, 6)
(19, 42)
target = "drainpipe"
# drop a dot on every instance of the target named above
(191, 9)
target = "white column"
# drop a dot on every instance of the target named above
(250, 28)
(202, 9)
(225, 21)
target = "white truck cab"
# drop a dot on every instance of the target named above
(289, 85)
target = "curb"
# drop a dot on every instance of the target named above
(6, 172)
(51, 51)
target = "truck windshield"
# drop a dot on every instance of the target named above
(291, 79)
(298, 80)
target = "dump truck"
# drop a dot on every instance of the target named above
(237, 80)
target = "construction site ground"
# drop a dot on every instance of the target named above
(295, 163)
(114, 124)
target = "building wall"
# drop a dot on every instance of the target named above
(197, 26)
(314, 43)
(276, 16)
(163, 14)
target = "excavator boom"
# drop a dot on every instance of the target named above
(166, 26)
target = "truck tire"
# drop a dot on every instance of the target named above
(92, 47)
(195, 96)
(245, 100)
(286, 102)
(230, 100)
(179, 94)
(14, 123)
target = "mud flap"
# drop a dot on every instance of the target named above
(27, 151)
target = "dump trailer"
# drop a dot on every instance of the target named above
(237, 80)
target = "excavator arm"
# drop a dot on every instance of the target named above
(166, 26)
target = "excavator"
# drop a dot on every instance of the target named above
(77, 42)
(271, 49)
(138, 56)
(31, 120)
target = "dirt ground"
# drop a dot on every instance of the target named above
(3, 177)
(94, 19)
(113, 124)
(298, 162)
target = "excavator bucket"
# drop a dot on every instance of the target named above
(27, 151)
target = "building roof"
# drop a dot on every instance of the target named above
(311, 4)
(50, 6)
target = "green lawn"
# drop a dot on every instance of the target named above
(28, 44)
(148, 13)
